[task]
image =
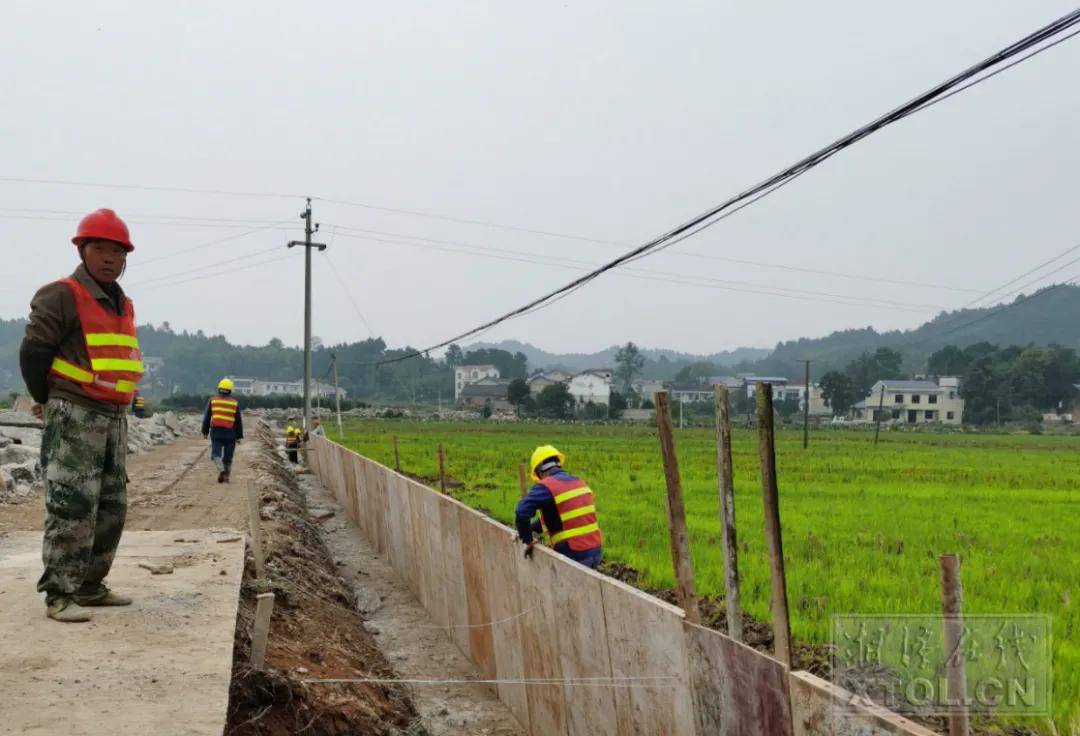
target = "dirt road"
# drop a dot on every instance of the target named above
(173, 487)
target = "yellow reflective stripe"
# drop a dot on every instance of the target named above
(571, 494)
(111, 339)
(578, 512)
(570, 533)
(227, 417)
(72, 371)
(126, 387)
(117, 364)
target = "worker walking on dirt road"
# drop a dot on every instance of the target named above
(224, 425)
(567, 510)
(138, 406)
(81, 362)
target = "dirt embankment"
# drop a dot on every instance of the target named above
(315, 633)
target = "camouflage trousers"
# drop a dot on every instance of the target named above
(83, 454)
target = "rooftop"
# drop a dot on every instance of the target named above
(898, 385)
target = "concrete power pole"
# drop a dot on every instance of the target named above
(308, 245)
(806, 408)
(337, 398)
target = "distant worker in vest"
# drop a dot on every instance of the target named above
(292, 443)
(81, 361)
(224, 425)
(138, 406)
(567, 510)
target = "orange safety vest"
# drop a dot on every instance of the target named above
(113, 346)
(223, 412)
(577, 511)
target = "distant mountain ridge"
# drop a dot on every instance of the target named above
(1048, 316)
(539, 358)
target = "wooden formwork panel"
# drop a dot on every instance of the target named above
(540, 643)
(823, 709)
(395, 527)
(506, 614)
(737, 690)
(583, 650)
(433, 537)
(349, 464)
(646, 644)
(419, 553)
(457, 607)
(481, 646)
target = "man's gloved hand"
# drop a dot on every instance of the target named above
(529, 550)
(206, 436)
(38, 411)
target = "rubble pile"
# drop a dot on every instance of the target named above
(20, 447)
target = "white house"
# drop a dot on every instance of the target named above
(259, 387)
(646, 388)
(912, 402)
(466, 374)
(540, 381)
(593, 385)
(691, 394)
(777, 382)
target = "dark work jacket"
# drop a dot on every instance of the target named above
(539, 498)
(221, 434)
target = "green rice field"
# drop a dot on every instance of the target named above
(863, 526)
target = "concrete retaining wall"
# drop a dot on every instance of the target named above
(578, 652)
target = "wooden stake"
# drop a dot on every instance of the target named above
(680, 540)
(442, 470)
(254, 522)
(397, 458)
(260, 630)
(727, 513)
(523, 479)
(952, 604)
(771, 498)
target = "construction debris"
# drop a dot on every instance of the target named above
(21, 476)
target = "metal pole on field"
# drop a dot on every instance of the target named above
(806, 408)
(397, 457)
(308, 245)
(952, 603)
(337, 398)
(727, 512)
(680, 539)
(880, 411)
(771, 498)
(442, 470)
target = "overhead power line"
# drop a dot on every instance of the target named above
(706, 256)
(774, 182)
(749, 287)
(1025, 274)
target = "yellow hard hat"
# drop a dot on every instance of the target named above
(542, 453)
(225, 384)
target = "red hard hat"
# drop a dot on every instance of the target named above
(103, 224)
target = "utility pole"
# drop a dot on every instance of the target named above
(308, 245)
(880, 412)
(337, 398)
(806, 408)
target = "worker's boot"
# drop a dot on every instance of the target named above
(65, 610)
(222, 476)
(228, 472)
(102, 597)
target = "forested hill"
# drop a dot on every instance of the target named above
(1050, 316)
(195, 361)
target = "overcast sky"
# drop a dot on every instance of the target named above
(611, 121)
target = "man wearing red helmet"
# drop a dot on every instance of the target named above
(81, 362)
